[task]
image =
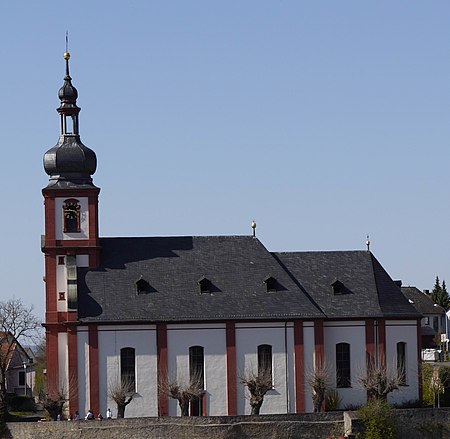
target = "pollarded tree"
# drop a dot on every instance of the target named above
(183, 391)
(121, 391)
(379, 381)
(258, 384)
(17, 324)
(319, 380)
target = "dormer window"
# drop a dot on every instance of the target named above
(271, 284)
(205, 285)
(338, 288)
(142, 286)
(71, 213)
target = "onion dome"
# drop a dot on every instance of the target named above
(69, 163)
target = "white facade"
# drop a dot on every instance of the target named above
(248, 336)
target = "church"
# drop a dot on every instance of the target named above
(151, 309)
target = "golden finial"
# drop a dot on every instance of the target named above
(254, 228)
(66, 53)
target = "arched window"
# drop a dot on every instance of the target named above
(401, 363)
(265, 360)
(197, 377)
(71, 213)
(128, 368)
(343, 365)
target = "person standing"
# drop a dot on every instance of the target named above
(108, 413)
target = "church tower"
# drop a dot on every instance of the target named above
(71, 238)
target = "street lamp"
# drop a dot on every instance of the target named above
(25, 380)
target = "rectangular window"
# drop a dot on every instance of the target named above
(197, 379)
(401, 363)
(343, 365)
(21, 378)
(128, 369)
(265, 361)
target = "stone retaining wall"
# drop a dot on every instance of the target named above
(305, 426)
(410, 423)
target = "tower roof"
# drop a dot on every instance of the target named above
(70, 164)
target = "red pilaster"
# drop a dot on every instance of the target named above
(299, 365)
(161, 344)
(52, 360)
(231, 368)
(382, 341)
(318, 343)
(370, 341)
(93, 368)
(72, 347)
(419, 357)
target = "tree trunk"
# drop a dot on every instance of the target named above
(255, 404)
(184, 406)
(121, 410)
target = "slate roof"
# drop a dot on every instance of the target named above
(235, 267)
(368, 290)
(422, 302)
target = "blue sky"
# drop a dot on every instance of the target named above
(321, 120)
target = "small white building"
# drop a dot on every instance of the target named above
(147, 309)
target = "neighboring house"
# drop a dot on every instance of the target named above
(147, 309)
(20, 367)
(434, 318)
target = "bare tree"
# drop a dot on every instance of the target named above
(379, 381)
(54, 403)
(319, 380)
(17, 323)
(121, 391)
(183, 391)
(258, 384)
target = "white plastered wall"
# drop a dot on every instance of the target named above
(111, 339)
(248, 337)
(63, 362)
(403, 331)
(353, 333)
(212, 337)
(61, 279)
(84, 219)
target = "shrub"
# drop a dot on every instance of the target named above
(376, 417)
(332, 400)
(21, 403)
(428, 393)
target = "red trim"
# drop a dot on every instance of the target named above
(49, 203)
(299, 367)
(72, 348)
(161, 345)
(318, 343)
(231, 368)
(50, 284)
(382, 341)
(204, 412)
(419, 357)
(93, 368)
(52, 361)
(370, 340)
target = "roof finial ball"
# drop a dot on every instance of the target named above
(254, 228)
(368, 243)
(66, 56)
